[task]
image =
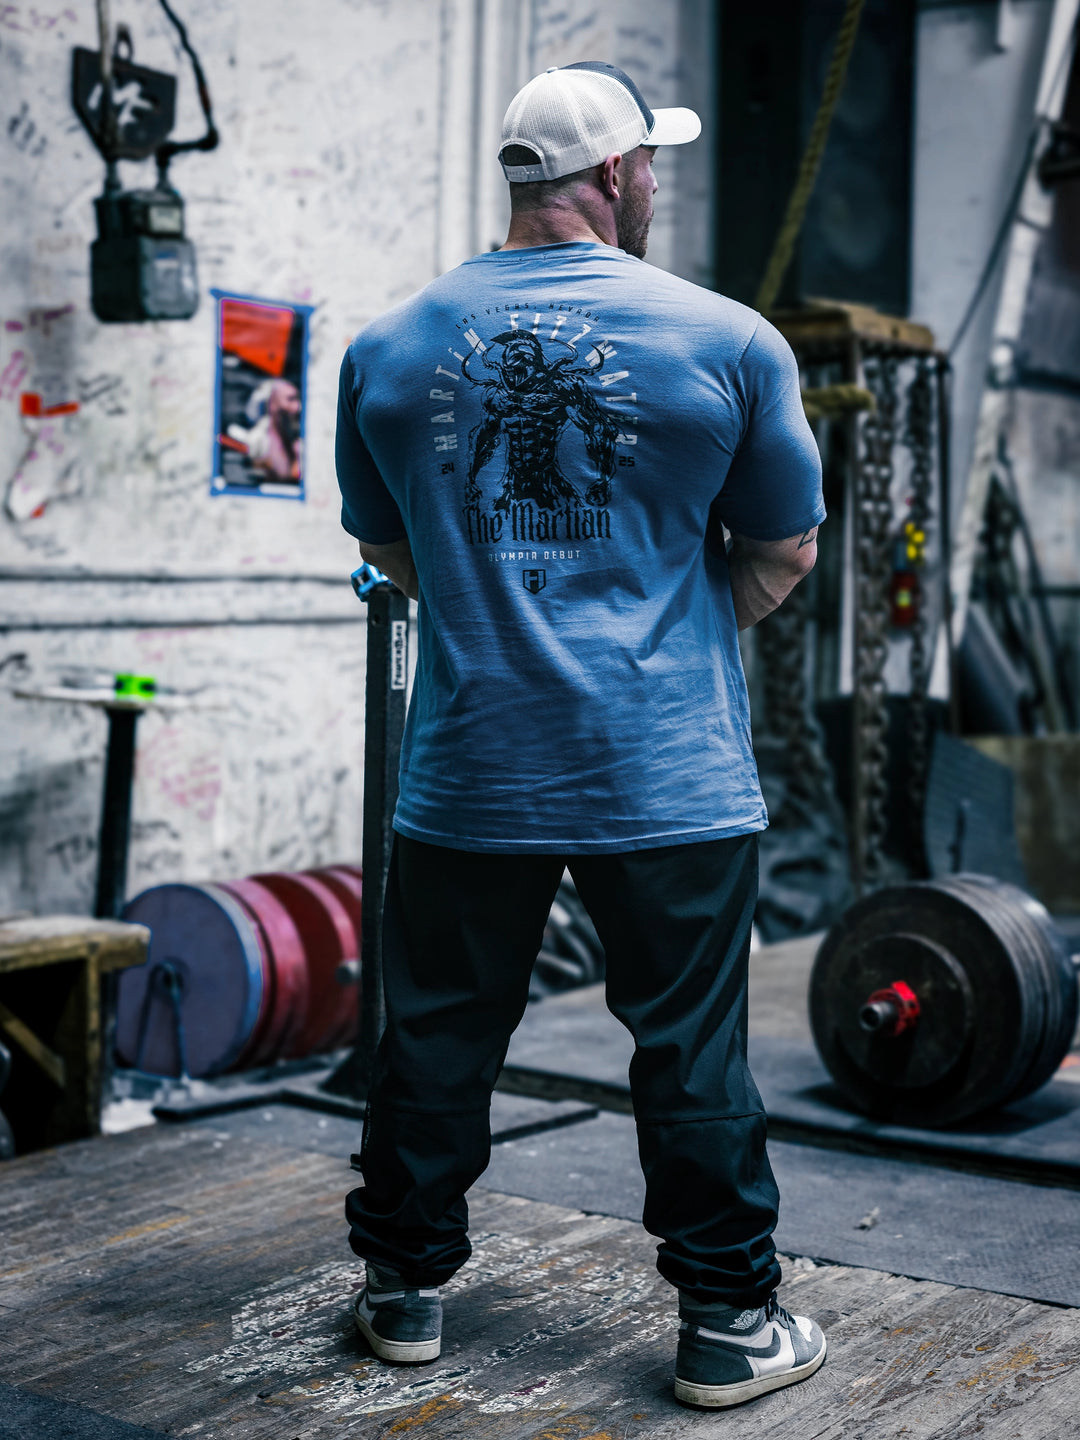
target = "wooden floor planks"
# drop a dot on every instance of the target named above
(201, 1286)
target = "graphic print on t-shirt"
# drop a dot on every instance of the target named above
(539, 397)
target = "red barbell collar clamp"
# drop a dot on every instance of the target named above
(891, 1011)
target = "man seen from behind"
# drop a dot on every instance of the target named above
(546, 447)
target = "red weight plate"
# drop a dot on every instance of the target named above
(253, 1052)
(346, 1004)
(261, 1047)
(346, 881)
(329, 938)
(289, 1001)
(354, 870)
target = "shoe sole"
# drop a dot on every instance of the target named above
(399, 1352)
(718, 1397)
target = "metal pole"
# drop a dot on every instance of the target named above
(113, 837)
(116, 813)
(945, 505)
(107, 127)
(384, 725)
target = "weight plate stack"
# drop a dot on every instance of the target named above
(329, 940)
(934, 1001)
(347, 883)
(1047, 967)
(277, 1036)
(206, 943)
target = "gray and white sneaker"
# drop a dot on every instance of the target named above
(727, 1356)
(401, 1325)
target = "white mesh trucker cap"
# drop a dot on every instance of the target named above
(574, 116)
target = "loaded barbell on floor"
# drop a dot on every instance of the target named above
(934, 1001)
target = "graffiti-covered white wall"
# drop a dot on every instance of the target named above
(356, 162)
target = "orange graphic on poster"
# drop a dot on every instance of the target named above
(259, 334)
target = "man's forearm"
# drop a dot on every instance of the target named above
(396, 563)
(763, 575)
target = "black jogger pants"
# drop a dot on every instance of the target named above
(462, 931)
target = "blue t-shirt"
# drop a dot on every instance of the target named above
(560, 431)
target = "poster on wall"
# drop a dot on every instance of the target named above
(260, 397)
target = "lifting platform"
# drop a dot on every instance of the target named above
(194, 1279)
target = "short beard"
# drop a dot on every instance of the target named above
(632, 227)
(287, 426)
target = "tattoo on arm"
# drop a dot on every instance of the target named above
(806, 539)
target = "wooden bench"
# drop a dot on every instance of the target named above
(53, 1019)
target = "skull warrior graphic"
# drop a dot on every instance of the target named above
(529, 401)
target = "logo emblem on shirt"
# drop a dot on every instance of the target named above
(548, 407)
(534, 580)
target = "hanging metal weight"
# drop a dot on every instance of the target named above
(932, 1002)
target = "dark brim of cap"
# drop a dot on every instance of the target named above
(675, 126)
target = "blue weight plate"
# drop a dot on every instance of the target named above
(210, 943)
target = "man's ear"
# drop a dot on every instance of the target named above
(611, 172)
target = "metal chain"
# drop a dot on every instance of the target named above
(919, 438)
(781, 650)
(873, 525)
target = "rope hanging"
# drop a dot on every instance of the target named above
(784, 245)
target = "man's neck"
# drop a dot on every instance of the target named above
(556, 227)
